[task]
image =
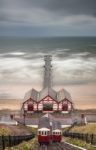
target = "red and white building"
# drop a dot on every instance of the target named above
(47, 100)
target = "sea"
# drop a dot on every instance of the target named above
(70, 45)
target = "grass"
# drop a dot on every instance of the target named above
(90, 128)
(33, 130)
(15, 130)
(30, 145)
(80, 143)
(4, 130)
(10, 130)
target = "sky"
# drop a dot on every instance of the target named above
(48, 18)
(21, 60)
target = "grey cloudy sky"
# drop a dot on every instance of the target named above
(48, 17)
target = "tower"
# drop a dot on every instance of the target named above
(47, 71)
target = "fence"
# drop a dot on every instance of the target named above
(8, 141)
(89, 138)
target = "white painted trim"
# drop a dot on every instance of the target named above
(64, 126)
(9, 123)
(33, 126)
(48, 111)
(81, 148)
(56, 130)
(43, 129)
(65, 112)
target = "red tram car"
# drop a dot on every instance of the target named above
(49, 131)
(56, 132)
(44, 131)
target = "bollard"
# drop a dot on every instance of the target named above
(87, 138)
(3, 142)
(9, 141)
(92, 137)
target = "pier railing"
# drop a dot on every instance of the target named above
(8, 141)
(89, 138)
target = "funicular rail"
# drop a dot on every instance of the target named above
(43, 147)
(57, 146)
(65, 146)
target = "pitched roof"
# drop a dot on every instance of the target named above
(37, 96)
(31, 94)
(62, 94)
(48, 115)
(47, 91)
(44, 122)
(7, 120)
(34, 121)
(56, 125)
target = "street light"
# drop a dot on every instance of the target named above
(24, 115)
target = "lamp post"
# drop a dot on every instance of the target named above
(24, 115)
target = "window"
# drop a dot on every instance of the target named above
(65, 107)
(39, 132)
(43, 132)
(30, 107)
(47, 107)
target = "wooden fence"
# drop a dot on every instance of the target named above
(89, 138)
(8, 141)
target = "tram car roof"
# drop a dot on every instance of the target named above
(56, 125)
(44, 122)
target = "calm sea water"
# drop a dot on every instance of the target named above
(44, 45)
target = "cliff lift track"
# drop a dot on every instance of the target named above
(57, 146)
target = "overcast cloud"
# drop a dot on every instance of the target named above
(51, 14)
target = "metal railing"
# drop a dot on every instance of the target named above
(8, 141)
(89, 138)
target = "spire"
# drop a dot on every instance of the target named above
(47, 71)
